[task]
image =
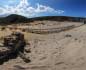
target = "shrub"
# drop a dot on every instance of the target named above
(3, 28)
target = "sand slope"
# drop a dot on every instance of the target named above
(56, 51)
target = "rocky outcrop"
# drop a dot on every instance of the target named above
(13, 46)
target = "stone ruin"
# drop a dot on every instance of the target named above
(12, 46)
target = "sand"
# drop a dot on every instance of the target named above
(57, 51)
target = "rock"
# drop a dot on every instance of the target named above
(13, 45)
(68, 35)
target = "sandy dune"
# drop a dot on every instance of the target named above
(58, 51)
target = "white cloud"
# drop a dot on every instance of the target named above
(42, 8)
(23, 4)
(24, 8)
(60, 11)
(1, 10)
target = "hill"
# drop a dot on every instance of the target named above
(13, 18)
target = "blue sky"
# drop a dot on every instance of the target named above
(35, 8)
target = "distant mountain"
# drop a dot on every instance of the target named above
(13, 18)
(56, 18)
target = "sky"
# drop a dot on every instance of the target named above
(36, 8)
